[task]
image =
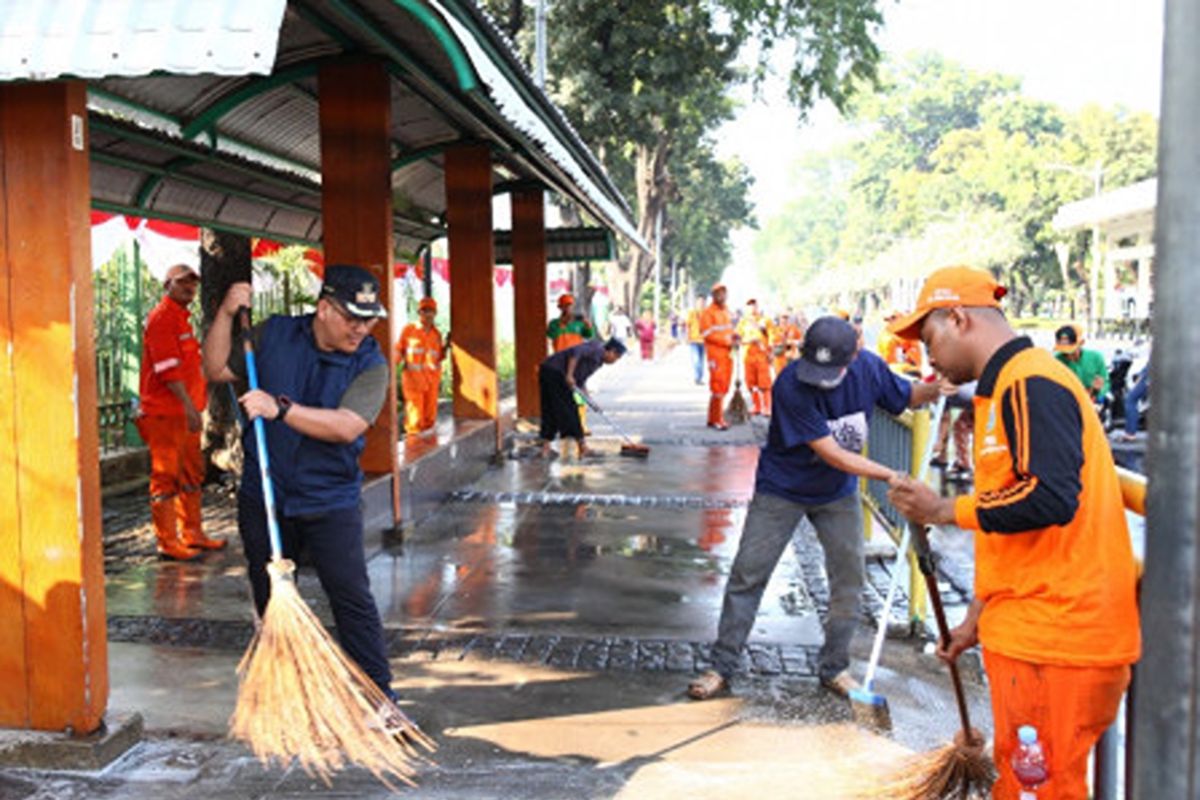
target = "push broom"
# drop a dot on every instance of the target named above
(300, 697)
(629, 448)
(869, 707)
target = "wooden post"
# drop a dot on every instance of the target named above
(472, 261)
(356, 207)
(529, 295)
(53, 640)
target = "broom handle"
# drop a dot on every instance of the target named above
(260, 441)
(928, 568)
(902, 551)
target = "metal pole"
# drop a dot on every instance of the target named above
(1094, 306)
(539, 74)
(1167, 715)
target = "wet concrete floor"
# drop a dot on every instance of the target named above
(543, 626)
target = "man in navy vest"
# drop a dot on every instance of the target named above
(323, 379)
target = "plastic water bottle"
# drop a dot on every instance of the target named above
(1029, 762)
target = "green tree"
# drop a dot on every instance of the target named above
(942, 153)
(645, 84)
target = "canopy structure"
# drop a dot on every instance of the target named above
(1123, 221)
(362, 128)
(208, 113)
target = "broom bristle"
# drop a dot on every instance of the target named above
(737, 412)
(951, 772)
(300, 697)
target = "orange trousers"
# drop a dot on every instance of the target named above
(1070, 707)
(757, 372)
(420, 403)
(176, 476)
(720, 373)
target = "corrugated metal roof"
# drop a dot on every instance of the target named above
(452, 79)
(96, 38)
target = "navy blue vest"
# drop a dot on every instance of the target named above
(309, 476)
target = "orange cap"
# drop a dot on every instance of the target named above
(842, 314)
(427, 303)
(566, 299)
(946, 288)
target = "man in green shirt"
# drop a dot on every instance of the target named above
(1088, 365)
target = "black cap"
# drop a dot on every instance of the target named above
(615, 345)
(830, 344)
(353, 288)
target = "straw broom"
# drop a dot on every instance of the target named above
(737, 412)
(300, 697)
(956, 771)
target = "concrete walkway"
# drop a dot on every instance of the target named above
(543, 625)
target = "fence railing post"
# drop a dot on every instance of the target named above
(921, 434)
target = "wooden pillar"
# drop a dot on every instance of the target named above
(356, 207)
(529, 295)
(53, 641)
(472, 262)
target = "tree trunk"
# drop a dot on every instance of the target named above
(224, 260)
(653, 183)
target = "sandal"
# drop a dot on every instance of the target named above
(710, 684)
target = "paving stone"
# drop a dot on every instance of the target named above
(594, 655)
(622, 655)
(565, 653)
(652, 656)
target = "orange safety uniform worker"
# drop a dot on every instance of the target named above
(1055, 606)
(420, 352)
(752, 330)
(902, 355)
(172, 396)
(567, 330)
(786, 337)
(716, 326)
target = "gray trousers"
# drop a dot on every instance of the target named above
(770, 523)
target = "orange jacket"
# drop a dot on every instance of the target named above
(716, 328)
(421, 350)
(170, 352)
(1053, 562)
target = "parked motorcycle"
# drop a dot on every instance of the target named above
(1127, 368)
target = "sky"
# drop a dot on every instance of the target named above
(1071, 52)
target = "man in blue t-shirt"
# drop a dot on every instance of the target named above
(810, 468)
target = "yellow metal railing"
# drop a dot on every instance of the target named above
(902, 453)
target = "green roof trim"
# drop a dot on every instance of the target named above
(464, 73)
(463, 70)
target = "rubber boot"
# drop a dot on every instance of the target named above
(718, 413)
(187, 506)
(162, 512)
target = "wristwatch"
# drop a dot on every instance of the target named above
(285, 405)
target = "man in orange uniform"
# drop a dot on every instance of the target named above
(420, 352)
(752, 331)
(716, 326)
(1055, 605)
(567, 330)
(173, 393)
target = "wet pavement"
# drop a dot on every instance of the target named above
(542, 625)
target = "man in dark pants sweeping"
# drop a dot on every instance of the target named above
(558, 377)
(809, 467)
(323, 380)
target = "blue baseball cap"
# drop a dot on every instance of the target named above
(830, 344)
(354, 289)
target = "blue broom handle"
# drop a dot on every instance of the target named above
(260, 441)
